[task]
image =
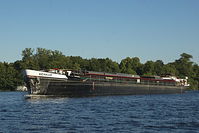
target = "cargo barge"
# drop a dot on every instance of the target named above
(73, 83)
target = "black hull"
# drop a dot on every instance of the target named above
(73, 88)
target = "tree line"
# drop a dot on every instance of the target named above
(41, 59)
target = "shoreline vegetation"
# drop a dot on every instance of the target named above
(41, 59)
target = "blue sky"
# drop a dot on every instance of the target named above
(148, 29)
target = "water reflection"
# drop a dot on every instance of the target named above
(43, 100)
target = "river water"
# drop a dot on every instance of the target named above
(111, 114)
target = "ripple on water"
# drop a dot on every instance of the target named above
(141, 113)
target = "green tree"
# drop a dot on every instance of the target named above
(43, 58)
(184, 65)
(8, 80)
(149, 68)
(28, 60)
(130, 65)
(111, 66)
(195, 76)
(158, 67)
(169, 69)
(77, 62)
(27, 53)
(96, 65)
(56, 60)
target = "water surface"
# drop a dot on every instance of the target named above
(135, 113)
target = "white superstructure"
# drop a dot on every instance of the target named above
(33, 73)
(182, 82)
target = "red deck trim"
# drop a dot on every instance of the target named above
(164, 80)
